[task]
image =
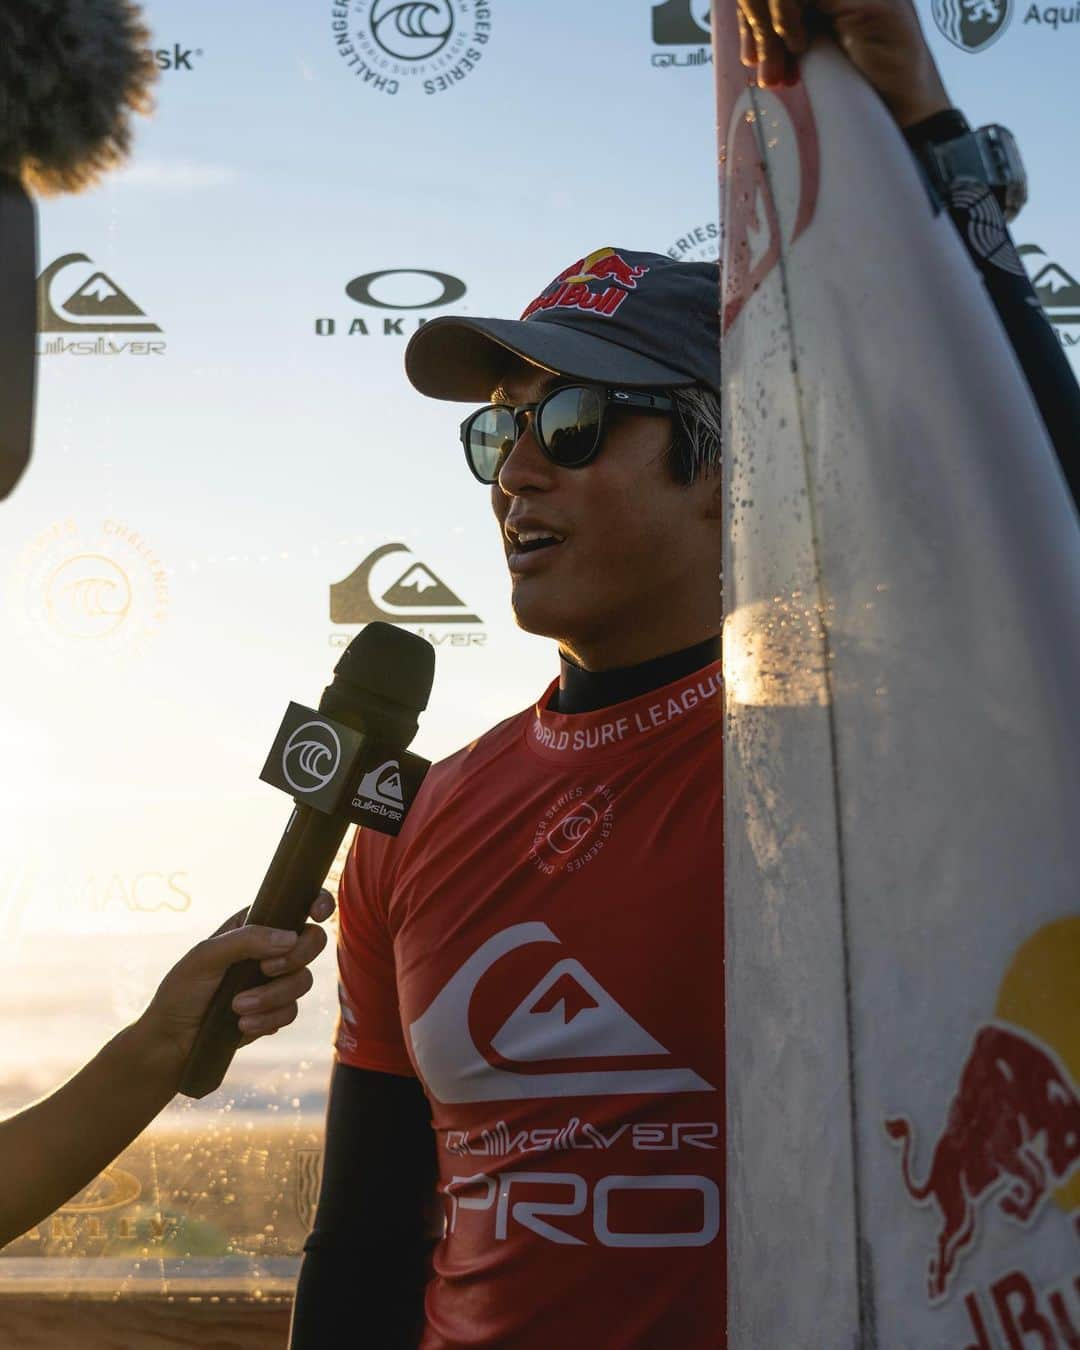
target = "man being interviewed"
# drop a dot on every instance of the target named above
(525, 1133)
(531, 973)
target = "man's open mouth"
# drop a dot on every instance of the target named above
(531, 541)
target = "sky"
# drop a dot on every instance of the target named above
(166, 566)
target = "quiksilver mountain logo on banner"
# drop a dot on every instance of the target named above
(401, 590)
(682, 23)
(73, 296)
(1058, 291)
(972, 25)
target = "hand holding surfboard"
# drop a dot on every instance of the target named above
(882, 38)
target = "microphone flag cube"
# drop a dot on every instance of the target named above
(337, 770)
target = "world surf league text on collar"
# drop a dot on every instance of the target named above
(640, 722)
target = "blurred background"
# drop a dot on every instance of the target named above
(225, 438)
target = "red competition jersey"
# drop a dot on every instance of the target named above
(543, 946)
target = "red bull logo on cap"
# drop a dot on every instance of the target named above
(1011, 1140)
(573, 288)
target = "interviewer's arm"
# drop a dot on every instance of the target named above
(59, 1144)
(366, 1260)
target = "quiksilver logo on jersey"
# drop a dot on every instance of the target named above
(567, 1015)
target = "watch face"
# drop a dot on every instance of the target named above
(1005, 167)
(1005, 144)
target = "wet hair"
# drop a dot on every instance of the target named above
(696, 447)
(71, 75)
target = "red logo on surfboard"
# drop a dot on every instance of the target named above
(1012, 1134)
(1013, 1128)
(766, 206)
(754, 230)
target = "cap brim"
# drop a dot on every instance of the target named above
(464, 359)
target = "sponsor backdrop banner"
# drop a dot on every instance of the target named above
(232, 476)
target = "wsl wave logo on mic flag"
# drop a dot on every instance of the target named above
(428, 46)
(407, 593)
(972, 25)
(311, 756)
(74, 296)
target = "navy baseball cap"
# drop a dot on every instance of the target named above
(617, 317)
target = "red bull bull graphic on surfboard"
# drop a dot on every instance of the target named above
(1013, 1129)
(1010, 1148)
(574, 289)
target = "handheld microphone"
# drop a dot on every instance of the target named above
(344, 763)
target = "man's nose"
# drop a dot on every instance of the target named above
(525, 466)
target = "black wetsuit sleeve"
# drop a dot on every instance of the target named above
(366, 1259)
(980, 222)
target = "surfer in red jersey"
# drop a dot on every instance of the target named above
(525, 1139)
(63, 1141)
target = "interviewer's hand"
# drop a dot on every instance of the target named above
(883, 39)
(176, 1010)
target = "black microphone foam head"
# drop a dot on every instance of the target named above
(391, 663)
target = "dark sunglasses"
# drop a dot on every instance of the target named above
(568, 424)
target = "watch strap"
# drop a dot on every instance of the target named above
(939, 127)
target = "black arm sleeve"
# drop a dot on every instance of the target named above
(980, 222)
(366, 1260)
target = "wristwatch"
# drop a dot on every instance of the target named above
(951, 152)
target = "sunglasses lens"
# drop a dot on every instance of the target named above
(569, 425)
(491, 438)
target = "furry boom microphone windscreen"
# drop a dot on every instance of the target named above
(72, 73)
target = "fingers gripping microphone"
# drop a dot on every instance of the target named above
(346, 762)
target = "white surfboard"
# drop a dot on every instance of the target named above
(902, 596)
